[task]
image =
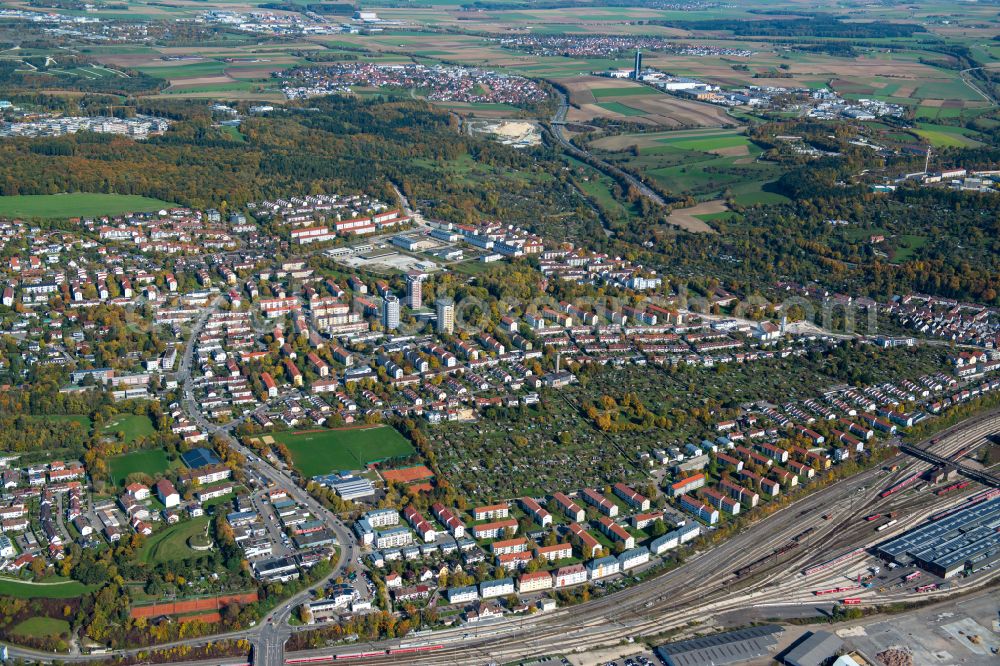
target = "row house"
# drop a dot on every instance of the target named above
(569, 507)
(448, 518)
(739, 493)
(631, 497)
(490, 512)
(720, 501)
(495, 529)
(616, 532)
(420, 524)
(600, 502)
(534, 509)
(700, 510)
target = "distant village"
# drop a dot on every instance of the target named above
(138, 127)
(441, 83)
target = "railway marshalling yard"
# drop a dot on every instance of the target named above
(705, 594)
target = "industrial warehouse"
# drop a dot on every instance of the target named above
(964, 541)
(730, 647)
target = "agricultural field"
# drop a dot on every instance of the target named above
(946, 136)
(152, 462)
(76, 204)
(324, 451)
(171, 543)
(707, 164)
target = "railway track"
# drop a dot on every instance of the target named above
(688, 592)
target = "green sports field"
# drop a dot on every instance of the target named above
(152, 462)
(325, 451)
(76, 204)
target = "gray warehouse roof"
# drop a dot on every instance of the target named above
(814, 650)
(945, 545)
(730, 647)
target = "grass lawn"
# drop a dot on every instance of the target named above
(133, 425)
(42, 627)
(750, 194)
(76, 204)
(150, 462)
(170, 544)
(326, 451)
(906, 246)
(471, 267)
(58, 589)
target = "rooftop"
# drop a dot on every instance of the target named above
(730, 647)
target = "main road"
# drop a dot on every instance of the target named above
(270, 637)
(556, 128)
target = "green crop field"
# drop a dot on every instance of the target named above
(76, 204)
(325, 451)
(171, 544)
(42, 627)
(152, 462)
(954, 89)
(601, 93)
(708, 143)
(60, 589)
(132, 425)
(618, 107)
(945, 136)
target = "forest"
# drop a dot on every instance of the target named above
(339, 144)
(818, 25)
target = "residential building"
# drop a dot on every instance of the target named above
(496, 588)
(445, 316)
(602, 567)
(534, 582)
(631, 497)
(600, 502)
(390, 313)
(167, 494)
(569, 507)
(574, 574)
